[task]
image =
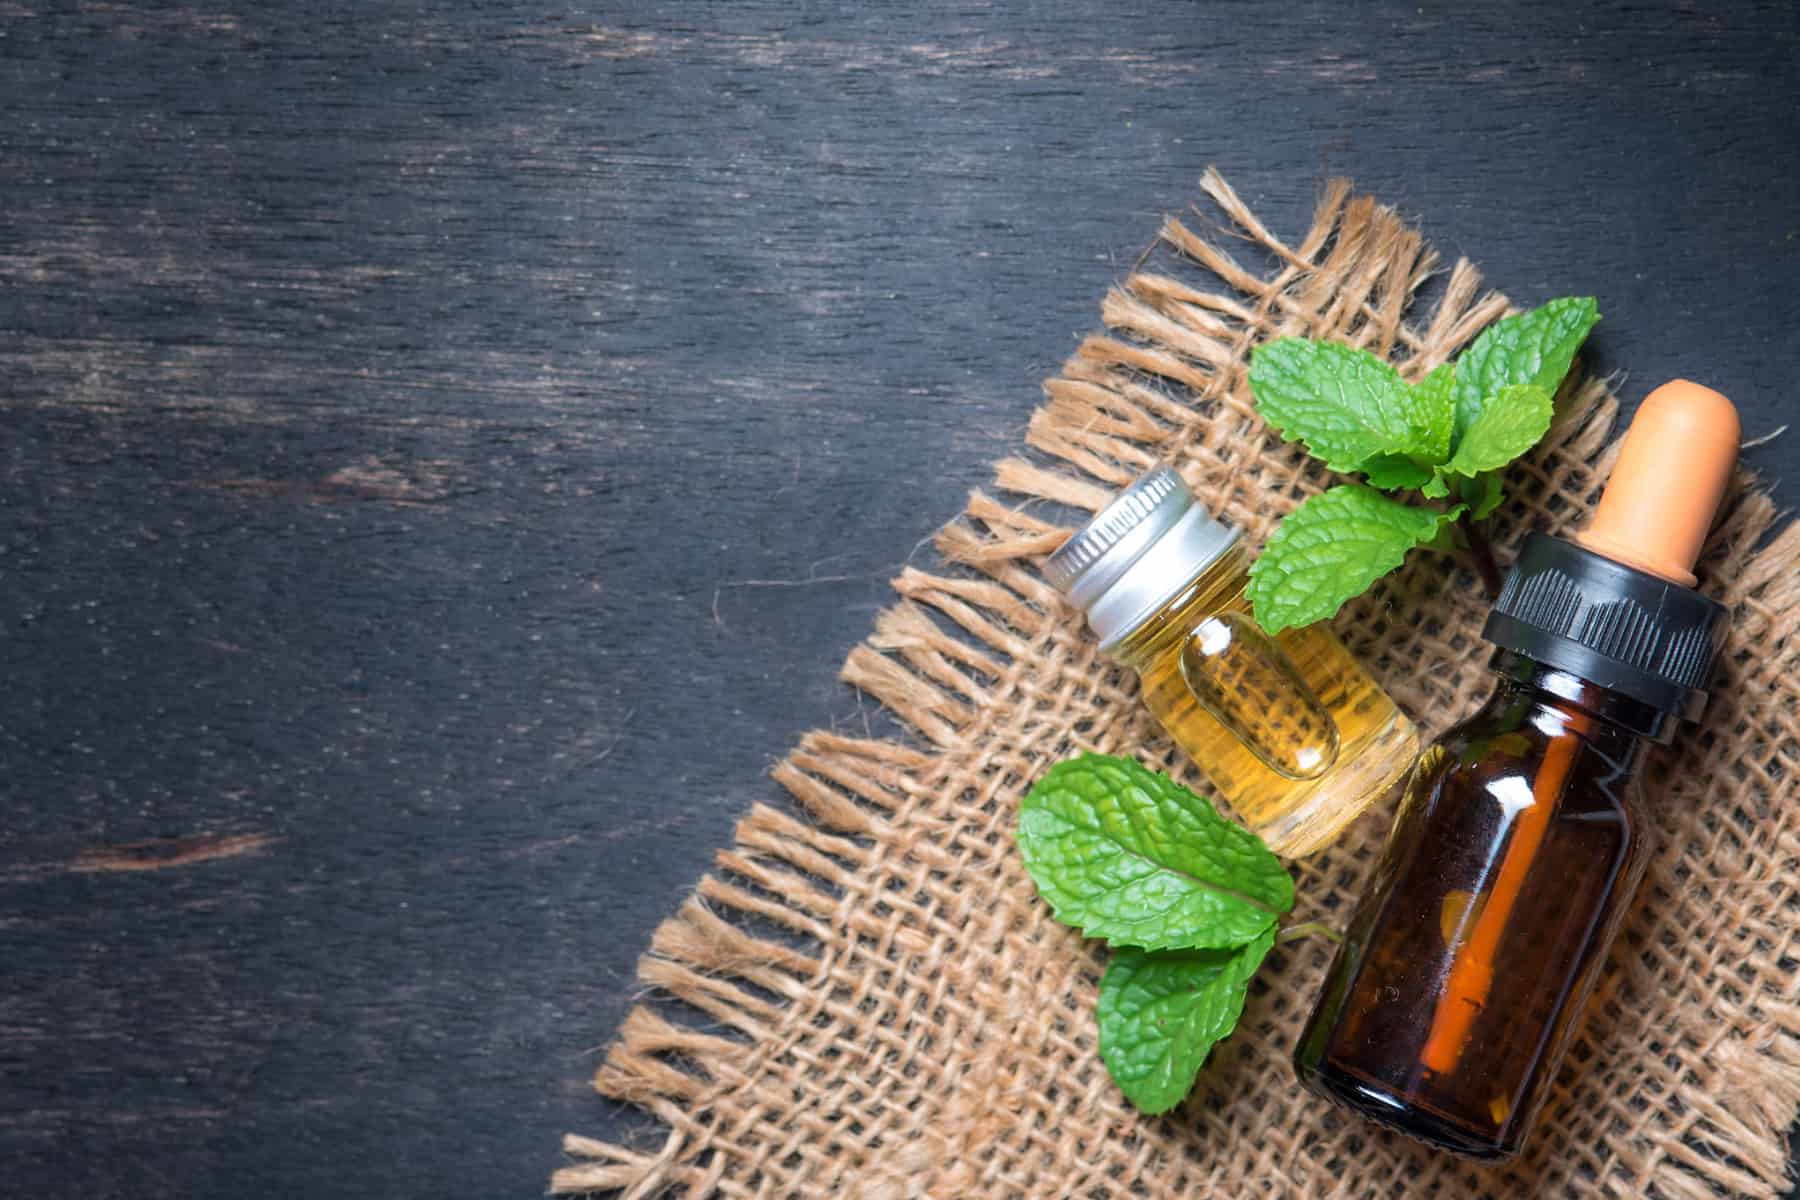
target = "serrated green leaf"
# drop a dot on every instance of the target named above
(1160, 1014)
(1437, 487)
(1329, 549)
(1434, 399)
(1534, 347)
(1392, 471)
(1347, 405)
(1508, 425)
(1128, 855)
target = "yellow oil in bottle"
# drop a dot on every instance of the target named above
(1292, 733)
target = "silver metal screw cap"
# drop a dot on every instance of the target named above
(1139, 551)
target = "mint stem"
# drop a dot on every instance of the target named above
(1482, 551)
(1293, 933)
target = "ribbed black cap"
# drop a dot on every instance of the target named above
(1624, 629)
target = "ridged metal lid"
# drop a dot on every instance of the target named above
(1152, 503)
(1139, 551)
(1622, 628)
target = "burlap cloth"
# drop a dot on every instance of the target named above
(873, 1001)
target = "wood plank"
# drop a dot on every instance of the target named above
(445, 455)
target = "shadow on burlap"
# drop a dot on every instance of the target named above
(875, 1003)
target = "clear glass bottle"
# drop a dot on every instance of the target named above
(1294, 735)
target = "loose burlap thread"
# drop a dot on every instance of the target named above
(870, 1000)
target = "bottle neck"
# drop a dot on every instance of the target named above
(1610, 719)
(1208, 587)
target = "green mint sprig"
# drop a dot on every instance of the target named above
(1447, 436)
(1189, 902)
(1131, 856)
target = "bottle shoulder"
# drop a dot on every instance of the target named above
(1516, 752)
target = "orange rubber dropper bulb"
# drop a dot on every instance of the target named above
(1658, 504)
(1672, 472)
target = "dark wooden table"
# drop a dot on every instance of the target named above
(446, 452)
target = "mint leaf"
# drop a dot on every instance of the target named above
(1161, 1013)
(1535, 347)
(1509, 424)
(1128, 855)
(1392, 471)
(1434, 399)
(1347, 405)
(1329, 549)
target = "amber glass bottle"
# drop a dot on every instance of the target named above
(1442, 1016)
(1520, 840)
(1292, 733)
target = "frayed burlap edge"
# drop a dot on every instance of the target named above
(872, 1002)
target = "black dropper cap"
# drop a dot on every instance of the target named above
(1627, 630)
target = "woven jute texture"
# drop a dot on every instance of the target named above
(867, 998)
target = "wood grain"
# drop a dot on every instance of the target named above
(446, 453)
